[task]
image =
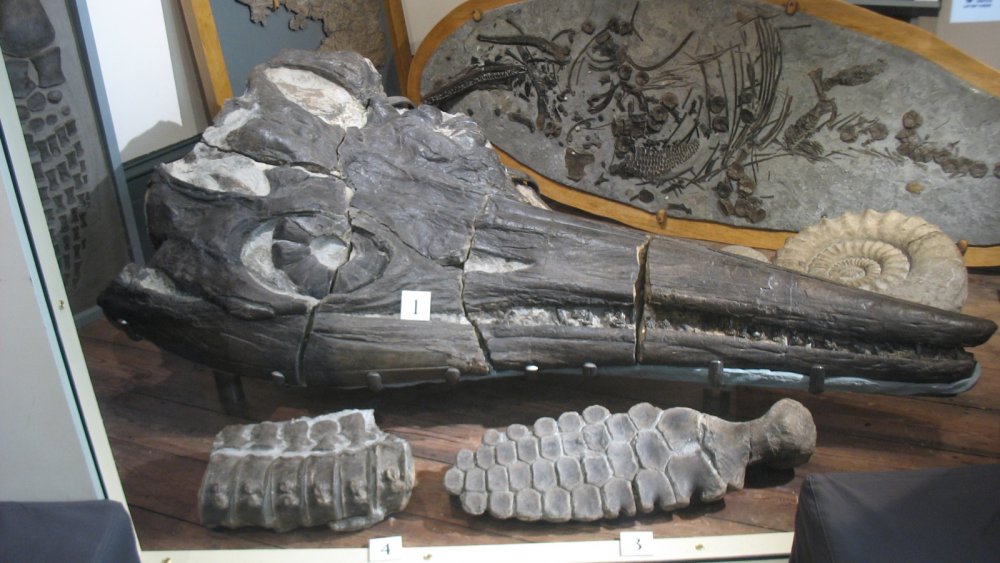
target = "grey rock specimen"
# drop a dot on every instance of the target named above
(593, 465)
(338, 469)
(799, 119)
(286, 238)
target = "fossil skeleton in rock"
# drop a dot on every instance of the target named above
(286, 238)
(890, 253)
(658, 100)
(338, 469)
(593, 465)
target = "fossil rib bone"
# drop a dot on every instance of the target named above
(592, 465)
(284, 242)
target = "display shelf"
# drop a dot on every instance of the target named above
(161, 415)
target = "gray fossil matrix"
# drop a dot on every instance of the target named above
(593, 465)
(285, 239)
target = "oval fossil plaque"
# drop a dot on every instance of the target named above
(730, 111)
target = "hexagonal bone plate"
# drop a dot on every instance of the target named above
(593, 465)
(338, 469)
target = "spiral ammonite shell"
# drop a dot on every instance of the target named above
(889, 253)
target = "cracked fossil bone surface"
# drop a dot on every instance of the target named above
(285, 239)
(592, 465)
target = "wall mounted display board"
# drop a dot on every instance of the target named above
(736, 121)
(229, 37)
(46, 53)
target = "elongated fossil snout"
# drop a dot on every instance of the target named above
(290, 241)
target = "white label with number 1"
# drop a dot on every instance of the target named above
(415, 305)
(636, 543)
(385, 549)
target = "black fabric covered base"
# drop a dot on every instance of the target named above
(87, 531)
(922, 515)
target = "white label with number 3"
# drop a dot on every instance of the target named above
(385, 549)
(636, 543)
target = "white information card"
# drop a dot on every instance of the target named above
(968, 11)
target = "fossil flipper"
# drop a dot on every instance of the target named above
(593, 465)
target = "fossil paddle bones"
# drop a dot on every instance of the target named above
(286, 238)
(338, 469)
(593, 465)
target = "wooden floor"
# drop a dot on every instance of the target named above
(161, 414)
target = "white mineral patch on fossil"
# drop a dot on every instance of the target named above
(479, 262)
(229, 122)
(212, 170)
(329, 251)
(157, 282)
(256, 256)
(538, 316)
(746, 252)
(326, 100)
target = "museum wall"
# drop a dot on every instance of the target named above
(977, 39)
(149, 74)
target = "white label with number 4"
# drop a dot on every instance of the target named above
(385, 549)
(636, 543)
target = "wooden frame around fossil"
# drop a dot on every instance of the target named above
(211, 63)
(893, 32)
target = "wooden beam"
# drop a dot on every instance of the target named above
(400, 38)
(211, 63)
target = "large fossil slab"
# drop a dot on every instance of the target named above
(593, 465)
(280, 257)
(338, 469)
(725, 110)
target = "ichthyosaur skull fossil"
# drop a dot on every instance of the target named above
(593, 465)
(286, 239)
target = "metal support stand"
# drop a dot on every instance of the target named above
(230, 389)
(715, 400)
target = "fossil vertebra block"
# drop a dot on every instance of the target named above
(338, 469)
(286, 239)
(593, 465)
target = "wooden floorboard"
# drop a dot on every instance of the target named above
(161, 414)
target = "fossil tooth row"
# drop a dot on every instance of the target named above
(338, 469)
(597, 465)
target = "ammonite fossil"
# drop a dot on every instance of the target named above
(593, 465)
(338, 469)
(889, 253)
